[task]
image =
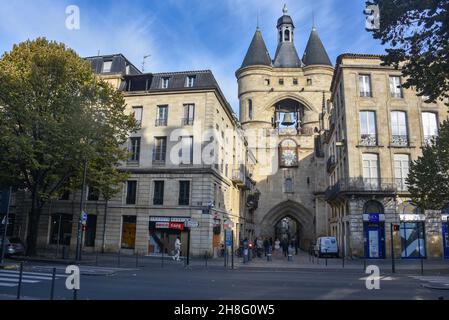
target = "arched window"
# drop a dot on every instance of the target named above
(288, 152)
(408, 207)
(250, 109)
(373, 207)
(288, 186)
(287, 36)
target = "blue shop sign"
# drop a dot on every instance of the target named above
(373, 217)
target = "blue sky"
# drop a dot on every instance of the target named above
(186, 34)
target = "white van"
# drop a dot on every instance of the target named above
(326, 246)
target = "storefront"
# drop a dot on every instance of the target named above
(445, 227)
(374, 230)
(163, 232)
(413, 236)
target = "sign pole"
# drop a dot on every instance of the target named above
(80, 225)
(2, 257)
(232, 250)
(188, 246)
(393, 267)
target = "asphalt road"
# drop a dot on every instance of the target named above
(174, 282)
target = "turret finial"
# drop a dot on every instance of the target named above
(285, 10)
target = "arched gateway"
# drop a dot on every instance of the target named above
(289, 219)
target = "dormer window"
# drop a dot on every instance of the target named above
(190, 82)
(164, 83)
(107, 66)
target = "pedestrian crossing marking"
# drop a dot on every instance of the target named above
(382, 278)
(10, 278)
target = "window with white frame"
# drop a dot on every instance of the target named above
(370, 169)
(186, 152)
(399, 128)
(430, 126)
(190, 81)
(134, 149)
(401, 170)
(395, 87)
(365, 85)
(162, 116)
(164, 82)
(189, 114)
(107, 66)
(138, 112)
(368, 130)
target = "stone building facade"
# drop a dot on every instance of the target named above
(318, 150)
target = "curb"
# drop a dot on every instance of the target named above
(435, 287)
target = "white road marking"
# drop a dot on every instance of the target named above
(16, 280)
(26, 276)
(30, 273)
(9, 285)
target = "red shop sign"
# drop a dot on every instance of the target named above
(177, 225)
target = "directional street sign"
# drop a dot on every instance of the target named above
(190, 223)
(84, 218)
(228, 237)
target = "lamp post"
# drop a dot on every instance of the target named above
(80, 225)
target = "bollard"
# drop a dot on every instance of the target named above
(364, 264)
(75, 294)
(53, 280)
(290, 257)
(96, 259)
(205, 257)
(19, 288)
(343, 262)
(137, 259)
(422, 266)
(162, 261)
(269, 257)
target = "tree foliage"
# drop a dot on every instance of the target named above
(429, 175)
(418, 33)
(54, 113)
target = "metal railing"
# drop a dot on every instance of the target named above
(161, 122)
(399, 141)
(368, 140)
(187, 121)
(365, 185)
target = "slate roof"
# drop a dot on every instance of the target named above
(287, 56)
(257, 53)
(315, 53)
(119, 64)
(285, 19)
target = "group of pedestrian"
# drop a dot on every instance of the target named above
(277, 248)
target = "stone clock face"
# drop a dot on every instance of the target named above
(289, 158)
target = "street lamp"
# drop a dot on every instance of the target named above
(80, 224)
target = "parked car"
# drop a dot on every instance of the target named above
(13, 247)
(326, 247)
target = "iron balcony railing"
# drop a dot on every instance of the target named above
(161, 122)
(187, 121)
(399, 140)
(366, 185)
(368, 140)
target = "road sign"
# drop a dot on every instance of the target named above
(228, 238)
(190, 223)
(228, 224)
(84, 218)
(396, 227)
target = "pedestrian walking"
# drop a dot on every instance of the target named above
(177, 249)
(277, 247)
(259, 244)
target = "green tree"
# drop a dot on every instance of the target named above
(54, 113)
(417, 32)
(429, 175)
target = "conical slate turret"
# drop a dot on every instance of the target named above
(257, 53)
(315, 53)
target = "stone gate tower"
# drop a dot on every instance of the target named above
(281, 100)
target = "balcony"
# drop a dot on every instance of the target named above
(289, 132)
(331, 164)
(399, 141)
(187, 122)
(365, 186)
(238, 177)
(368, 140)
(161, 122)
(429, 140)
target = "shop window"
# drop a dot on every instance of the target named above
(413, 241)
(61, 229)
(129, 232)
(91, 231)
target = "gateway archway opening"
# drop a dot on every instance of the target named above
(287, 229)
